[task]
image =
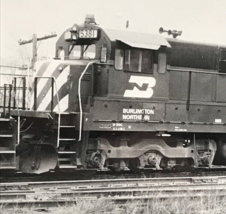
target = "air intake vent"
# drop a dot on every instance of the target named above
(86, 77)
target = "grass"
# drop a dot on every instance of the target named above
(212, 203)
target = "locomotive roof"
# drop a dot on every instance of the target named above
(195, 43)
(137, 39)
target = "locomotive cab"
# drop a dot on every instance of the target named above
(125, 65)
(139, 63)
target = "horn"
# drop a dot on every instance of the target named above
(180, 32)
(175, 33)
(161, 30)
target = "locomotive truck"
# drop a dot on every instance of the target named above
(118, 100)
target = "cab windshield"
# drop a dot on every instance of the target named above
(77, 52)
(82, 51)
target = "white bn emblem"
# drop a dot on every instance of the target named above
(139, 80)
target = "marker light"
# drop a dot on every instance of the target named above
(70, 36)
(74, 28)
(103, 54)
(67, 36)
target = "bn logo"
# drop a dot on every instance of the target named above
(136, 92)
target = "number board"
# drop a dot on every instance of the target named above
(88, 34)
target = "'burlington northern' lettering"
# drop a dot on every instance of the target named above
(136, 114)
(137, 111)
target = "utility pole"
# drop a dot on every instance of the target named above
(34, 45)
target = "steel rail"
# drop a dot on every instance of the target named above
(130, 181)
(49, 194)
(61, 192)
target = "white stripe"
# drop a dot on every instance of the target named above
(63, 104)
(37, 67)
(59, 82)
(48, 73)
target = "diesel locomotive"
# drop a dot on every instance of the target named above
(118, 100)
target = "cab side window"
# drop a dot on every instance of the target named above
(147, 61)
(162, 60)
(134, 60)
(119, 59)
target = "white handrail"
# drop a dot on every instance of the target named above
(58, 101)
(79, 100)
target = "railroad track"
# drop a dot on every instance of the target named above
(52, 193)
(53, 176)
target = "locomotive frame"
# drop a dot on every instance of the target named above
(119, 100)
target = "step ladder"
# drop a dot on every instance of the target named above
(66, 141)
(7, 144)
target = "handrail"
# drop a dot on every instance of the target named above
(196, 71)
(23, 90)
(52, 94)
(79, 100)
(9, 101)
(189, 92)
(59, 115)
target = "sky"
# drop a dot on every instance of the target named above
(200, 20)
